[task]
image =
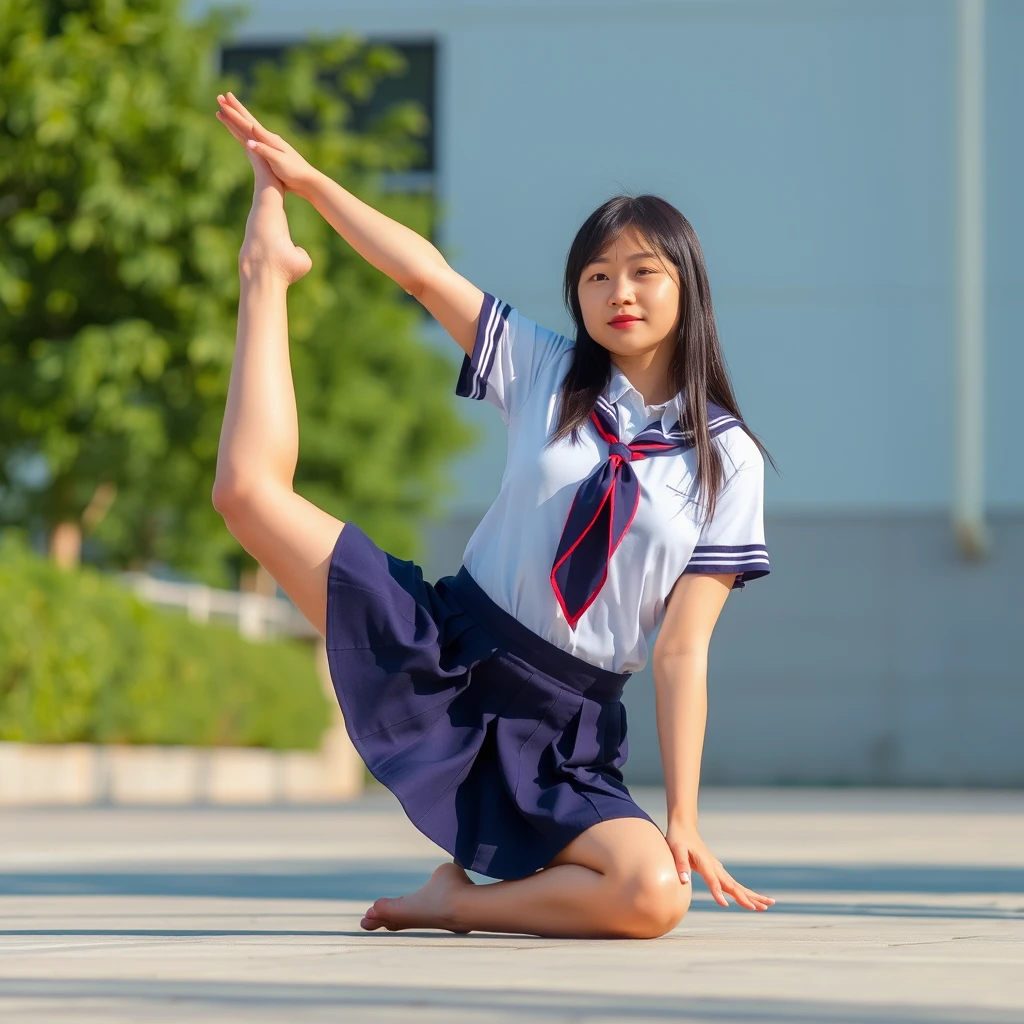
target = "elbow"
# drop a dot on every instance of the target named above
(673, 661)
(414, 286)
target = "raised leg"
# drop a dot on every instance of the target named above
(615, 880)
(259, 442)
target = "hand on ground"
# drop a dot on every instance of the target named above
(691, 854)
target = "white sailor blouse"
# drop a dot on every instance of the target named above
(584, 542)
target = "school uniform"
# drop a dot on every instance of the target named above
(489, 702)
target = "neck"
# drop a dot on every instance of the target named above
(648, 372)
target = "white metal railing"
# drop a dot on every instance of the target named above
(256, 616)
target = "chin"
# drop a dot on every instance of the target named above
(621, 347)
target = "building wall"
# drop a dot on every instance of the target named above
(872, 654)
(810, 143)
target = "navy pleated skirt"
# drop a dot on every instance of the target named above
(500, 746)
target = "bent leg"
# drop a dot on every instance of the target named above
(291, 538)
(617, 879)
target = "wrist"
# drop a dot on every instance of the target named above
(307, 186)
(685, 822)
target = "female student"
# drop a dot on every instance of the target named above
(489, 701)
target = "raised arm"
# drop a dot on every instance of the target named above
(406, 257)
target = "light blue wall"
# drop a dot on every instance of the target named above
(810, 142)
(812, 147)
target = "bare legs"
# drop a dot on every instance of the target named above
(615, 880)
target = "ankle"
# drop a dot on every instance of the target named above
(456, 913)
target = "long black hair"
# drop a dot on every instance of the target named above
(697, 363)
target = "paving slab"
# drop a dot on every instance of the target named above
(893, 905)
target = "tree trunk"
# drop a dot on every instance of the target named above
(257, 581)
(66, 545)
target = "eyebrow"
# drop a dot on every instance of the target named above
(631, 256)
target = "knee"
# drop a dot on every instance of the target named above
(656, 901)
(225, 498)
(231, 499)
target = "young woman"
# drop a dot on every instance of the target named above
(488, 702)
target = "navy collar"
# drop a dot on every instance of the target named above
(719, 418)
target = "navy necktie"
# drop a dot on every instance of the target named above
(603, 509)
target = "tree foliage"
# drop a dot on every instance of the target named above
(122, 208)
(83, 660)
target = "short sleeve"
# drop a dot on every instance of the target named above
(733, 540)
(510, 355)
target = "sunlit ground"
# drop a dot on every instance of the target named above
(892, 906)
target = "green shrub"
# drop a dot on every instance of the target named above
(83, 660)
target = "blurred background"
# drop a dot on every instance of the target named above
(851, 169)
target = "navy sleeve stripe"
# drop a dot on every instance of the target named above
(729, 549)
(747, 561)
(751, 558)
(476, 369)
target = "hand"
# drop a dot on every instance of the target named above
(268, 243)
(293, 170)
(689, 851)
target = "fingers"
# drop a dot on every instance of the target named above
(247, 123)
(260, 154)
(263, 156)
(251, 135)
(715, 886)
(720, 882)
(237, 132)
(742, 899)
(745, 897)
(681, 856)
(765, 901)
(233, 103)
(242, 127)
(709, 870)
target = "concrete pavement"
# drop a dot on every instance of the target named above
(902, 906)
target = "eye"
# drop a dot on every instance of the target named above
(602, 274)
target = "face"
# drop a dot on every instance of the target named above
(630, 279)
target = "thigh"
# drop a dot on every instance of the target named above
(292, 539)
(621, 847)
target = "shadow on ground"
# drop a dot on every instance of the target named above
(367, 881)
(265, 1000)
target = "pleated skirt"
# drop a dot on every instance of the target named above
(500, 746)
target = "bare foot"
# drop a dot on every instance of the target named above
(428, 907)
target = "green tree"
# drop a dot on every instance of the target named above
(122, 207)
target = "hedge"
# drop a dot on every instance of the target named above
(84, 660)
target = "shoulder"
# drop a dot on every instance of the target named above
(496, 314)
(739, 450)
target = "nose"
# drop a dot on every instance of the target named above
(622, 292)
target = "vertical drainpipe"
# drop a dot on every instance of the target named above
(969, 364)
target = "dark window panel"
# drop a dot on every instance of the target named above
(418, 84)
